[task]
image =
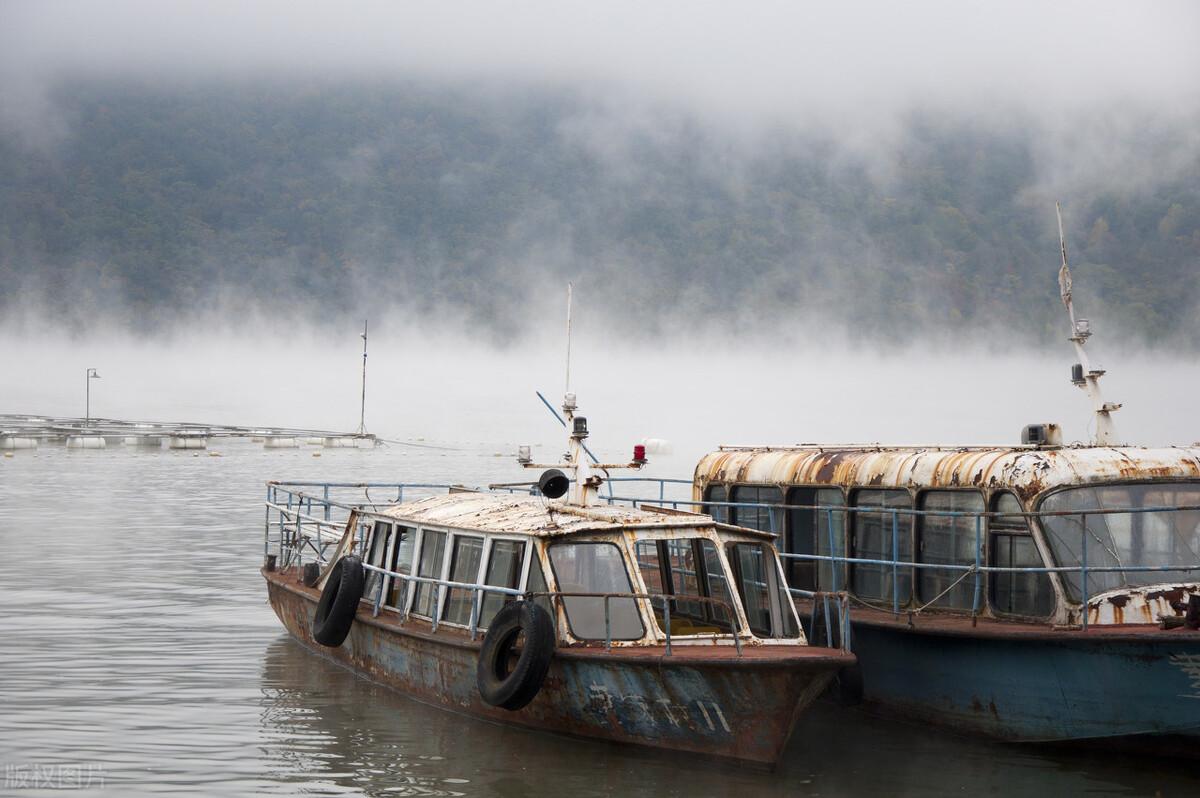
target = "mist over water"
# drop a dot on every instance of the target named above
(453, 389)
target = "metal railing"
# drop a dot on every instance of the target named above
(976, 570)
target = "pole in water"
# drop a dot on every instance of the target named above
(362, 409)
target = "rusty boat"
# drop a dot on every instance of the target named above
(1032, 593)
(552, 611)
(1040, 592)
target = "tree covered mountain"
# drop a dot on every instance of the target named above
(437, 200)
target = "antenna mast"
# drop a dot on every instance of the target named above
(567, 388)
(1083, 374)
(362, 409)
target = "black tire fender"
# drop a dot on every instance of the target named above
(513, 689)
(339, 602)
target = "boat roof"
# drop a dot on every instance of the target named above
(540, 517)
(1027, 470)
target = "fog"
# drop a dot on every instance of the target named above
(1090, 81)
(457, 391)
(1105, 93)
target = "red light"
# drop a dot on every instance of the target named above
(639, 453)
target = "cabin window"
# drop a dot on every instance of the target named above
(815, 531)
(381, 538)
(402, 557)
(536, 583)
(464, 567)
(876, 534)
(503, 570)
(433, 551)
(1012, 546)
(719, 512)
(1120, 540)
(680, 568)
(595, 568)
(949, 540)
(765, 597)
(767, 519)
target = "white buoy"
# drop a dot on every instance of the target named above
(187, 440)
(86, 442)
(364, 441)
(13, 442)
(339, 442)
(314, 441)
(281, 442)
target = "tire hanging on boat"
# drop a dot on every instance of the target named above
(339, 602)
(513, 689)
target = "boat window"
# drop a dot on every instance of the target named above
(810, 531)
(874, 534)
(1012, 546)
(719, 512)
(685, 567)
(1161, 538)
(433, 550)
(464, 567)
(595, 568)
(402, 557)
(765, 598)
(503, 570)
(949, 540)
(381, 538)
(767, 519)
(536, 583)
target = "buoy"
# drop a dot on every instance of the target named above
(86, 442)
(280, 442)
(15, 442)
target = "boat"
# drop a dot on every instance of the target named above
(551, 611)
(1040, 592)
(1031, 593)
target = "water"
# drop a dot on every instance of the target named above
(140, 656)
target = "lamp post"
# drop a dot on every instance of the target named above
(91, 375)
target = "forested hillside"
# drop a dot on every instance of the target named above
(353, 196)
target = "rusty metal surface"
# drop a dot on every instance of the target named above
(1140, 605)
(1028, 471)
(537, 517)
(710, 704)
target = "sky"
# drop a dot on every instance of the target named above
(847, 64)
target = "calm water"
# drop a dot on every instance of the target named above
(139, 655)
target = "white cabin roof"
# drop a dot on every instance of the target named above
(537, 516)
(1027, 470)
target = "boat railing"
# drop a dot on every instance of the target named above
(559, 597)
(976, 571)
(479, 590)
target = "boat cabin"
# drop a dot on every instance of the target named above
(617, 576)
(1029, 533)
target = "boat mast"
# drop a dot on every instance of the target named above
(1083, 373)
(362, 408)
(585, 474)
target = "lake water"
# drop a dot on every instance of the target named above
(140, 656)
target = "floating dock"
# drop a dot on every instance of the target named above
(18, 431)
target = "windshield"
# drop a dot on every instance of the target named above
(1123, 540)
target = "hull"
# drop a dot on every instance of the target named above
(700, 699)
(1036, 686)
